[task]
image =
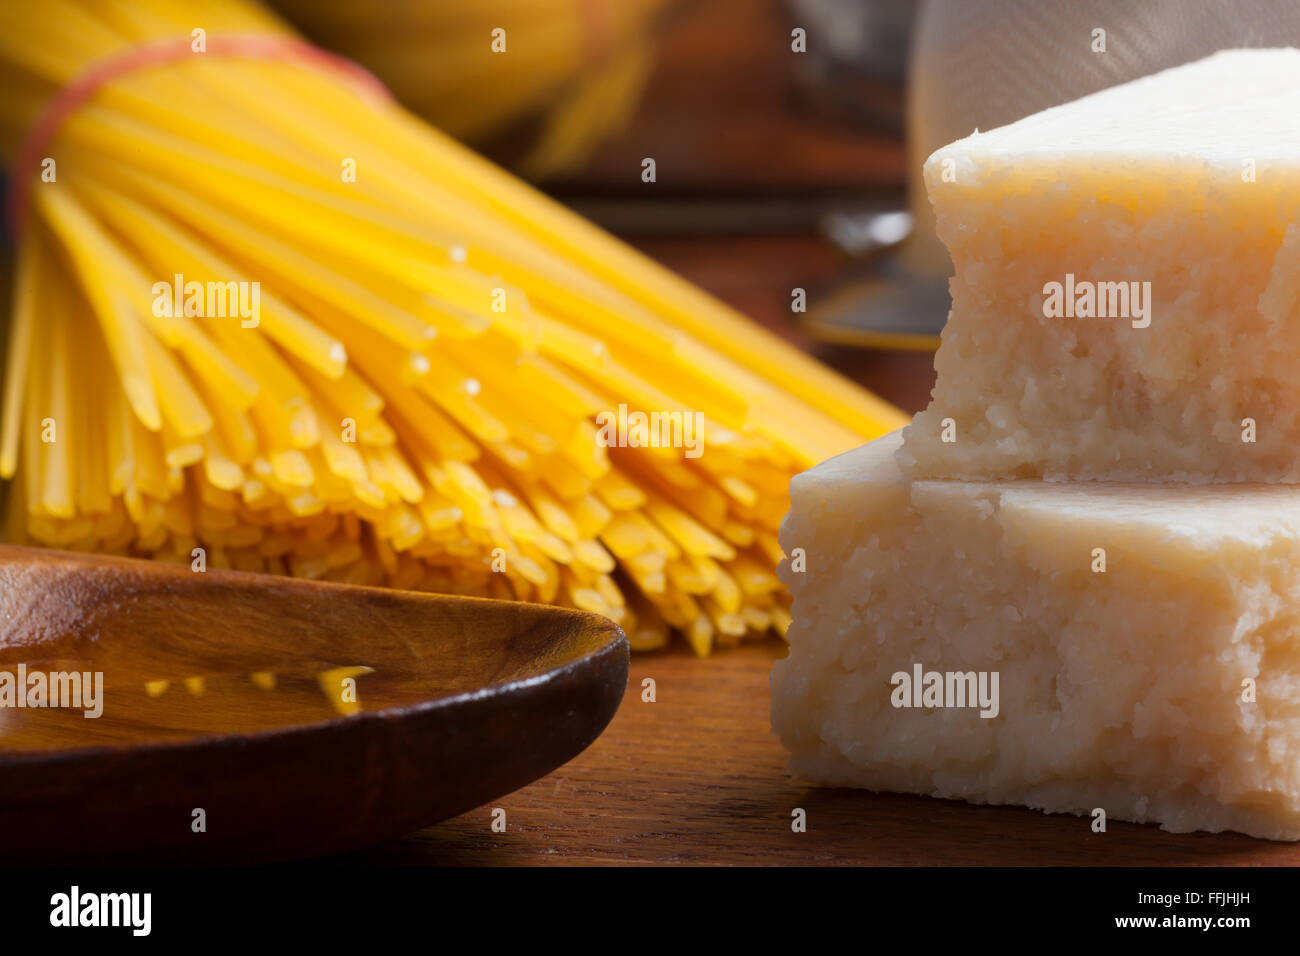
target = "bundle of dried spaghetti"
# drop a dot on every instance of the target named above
(561, 74)
(264, 319)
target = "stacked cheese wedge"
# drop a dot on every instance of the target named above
(1073, 582)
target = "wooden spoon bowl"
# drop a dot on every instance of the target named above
(287, 717)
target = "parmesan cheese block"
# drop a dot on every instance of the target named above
(1126, 304)
(1069, 647)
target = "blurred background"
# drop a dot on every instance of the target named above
(784, 133)
(772, 166)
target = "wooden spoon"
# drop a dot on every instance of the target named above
(288, 717)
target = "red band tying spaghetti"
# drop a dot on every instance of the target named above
(255, 46)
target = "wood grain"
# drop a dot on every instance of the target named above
(728, 111)
(456, 700)
(697, 778)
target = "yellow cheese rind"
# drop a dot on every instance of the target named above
(1119, 689)
(1188, 180)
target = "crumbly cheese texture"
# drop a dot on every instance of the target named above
(1187, 180)
(1122, 689)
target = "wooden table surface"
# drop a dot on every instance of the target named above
(697, 778)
